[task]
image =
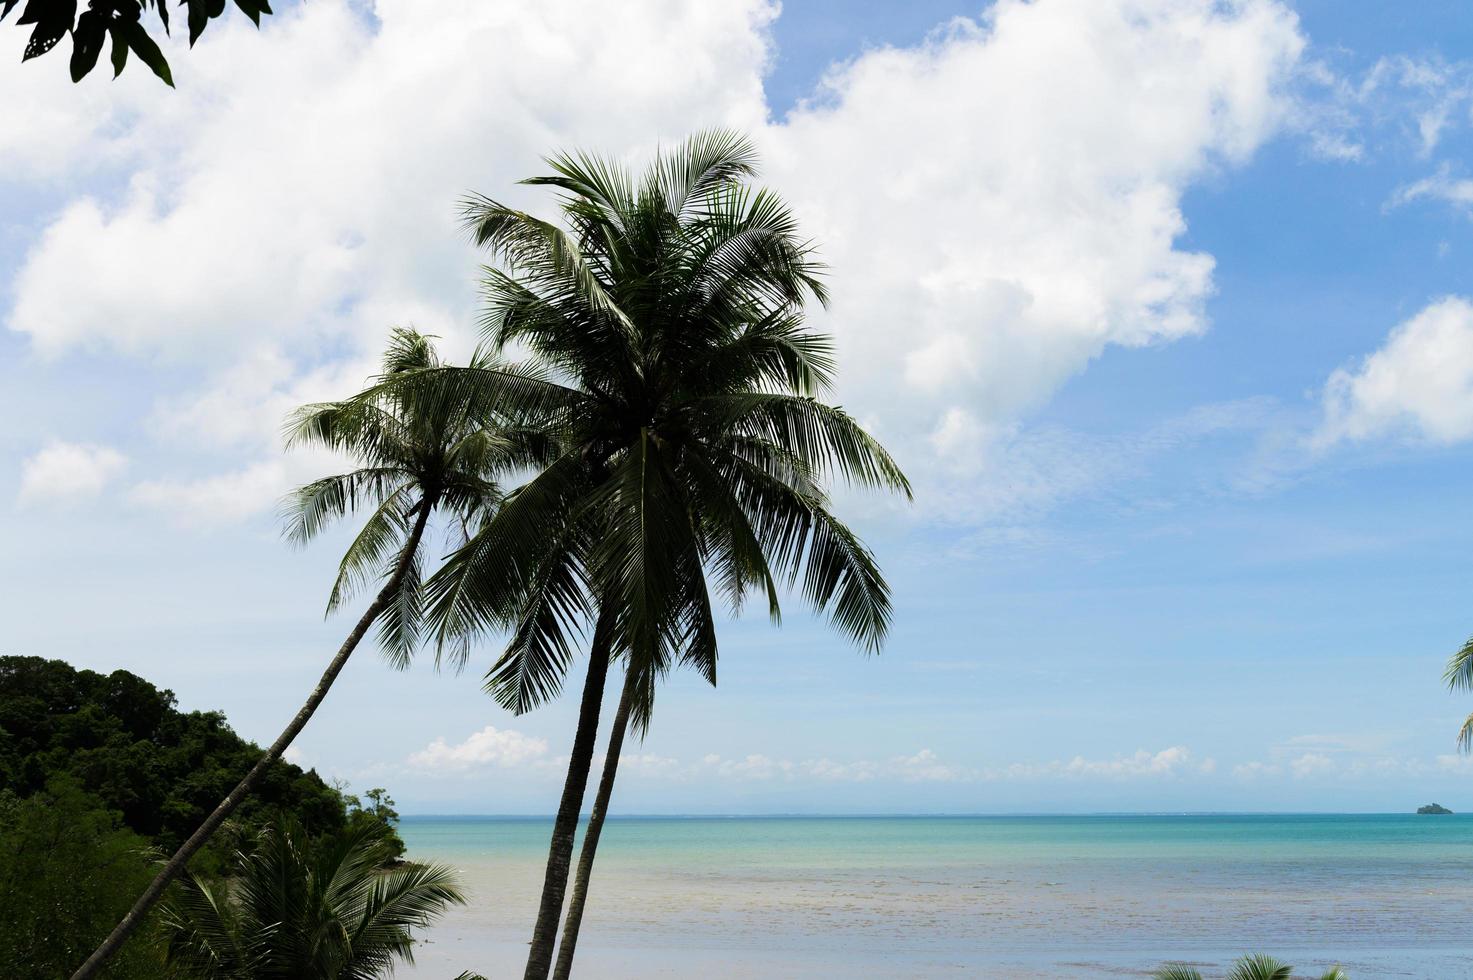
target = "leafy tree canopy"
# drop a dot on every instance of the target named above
(124, 741)
(68, 869)
(119, 21)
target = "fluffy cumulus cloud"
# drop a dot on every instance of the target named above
(65, 471)
(1418, 384)
(491, 746)
(998, 204)
(1003, 202)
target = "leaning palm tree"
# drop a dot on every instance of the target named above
(1247, 968)
(415, 457)
(296, 908)
(666, 314)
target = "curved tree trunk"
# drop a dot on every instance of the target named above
(560, 852)
(175, 865)
(574, 916)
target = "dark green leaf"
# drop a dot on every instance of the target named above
(37, 11)
(251, 10)
(120, 53)
(53, 18)
(199, 16)
(87, 38)
(215, 8)
(145, 48)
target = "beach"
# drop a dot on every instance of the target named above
(1006, 897)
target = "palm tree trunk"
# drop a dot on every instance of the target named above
(590, 836)
(175, 865)
(560, 852)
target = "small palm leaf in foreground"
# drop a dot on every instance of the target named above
(1260, 967)
(306, 910)
(1177, 971)
(1257, 967)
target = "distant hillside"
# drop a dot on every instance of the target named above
(124, 741)
(99, 773)
(1433, 808)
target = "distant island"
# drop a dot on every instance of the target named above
(1433, 808)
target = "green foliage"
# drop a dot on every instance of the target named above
(298, 907)
(125, 743)
(417, 453)
(119, 22)
(1254, 967)
(68, 870)
(379, 815)
(670, 366)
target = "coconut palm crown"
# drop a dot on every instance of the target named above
(416, 456)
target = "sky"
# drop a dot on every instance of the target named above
(1163, 305)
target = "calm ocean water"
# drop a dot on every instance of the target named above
(1006, 897)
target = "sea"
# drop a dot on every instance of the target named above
(990, 896)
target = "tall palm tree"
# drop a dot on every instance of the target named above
(1247, 968)
(415, 456)
(667, 314)
(296, 908)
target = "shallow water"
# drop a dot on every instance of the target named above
(1388, 896)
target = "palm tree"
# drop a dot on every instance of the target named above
(302, 909)
(1248, 968)
(415, 456)
(667, 316)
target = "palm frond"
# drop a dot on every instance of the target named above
(824, 437)
(701, 163)
(1459, 673)
(1260, 967)
(382, 535)
(1176, 971)
(310, 508)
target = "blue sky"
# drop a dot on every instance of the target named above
(1161, 302)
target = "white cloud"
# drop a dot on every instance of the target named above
(1442, 186)
(224, 497)
(1420, 382)
(310, 218)
(993, 223)
(1167, 762)
(68, 471)
(926, 766)
(1401, 101)
(490, 746)
(1311, 764)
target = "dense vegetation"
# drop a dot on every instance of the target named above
(298, 907)
(124, 743)
(101, 772)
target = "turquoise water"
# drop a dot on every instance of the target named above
(1387, 895)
